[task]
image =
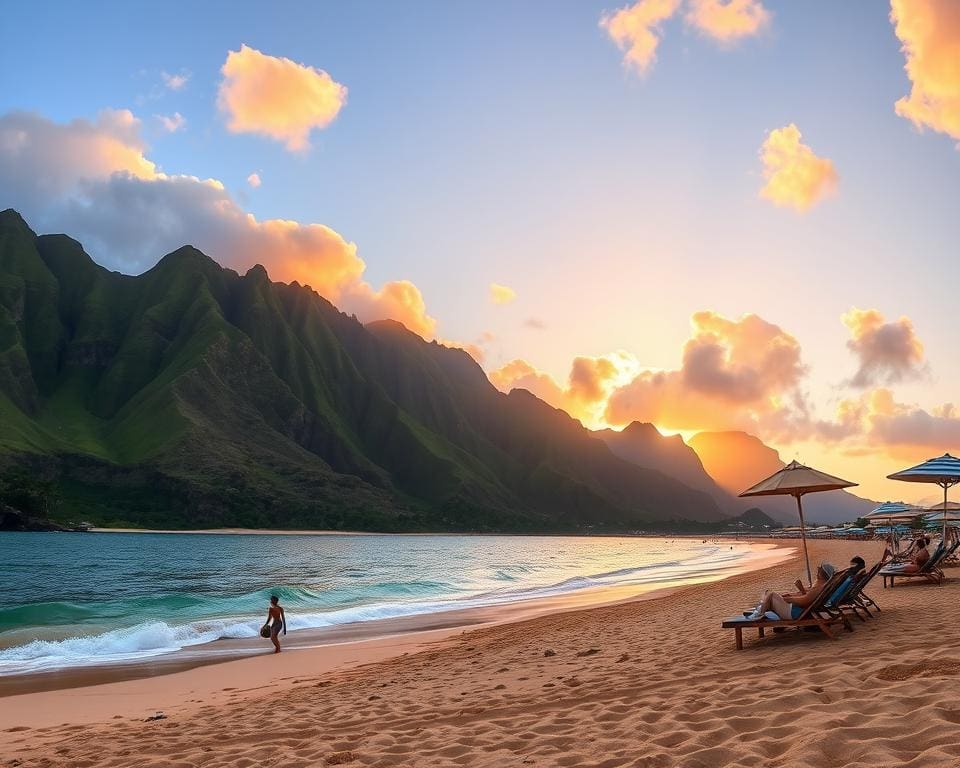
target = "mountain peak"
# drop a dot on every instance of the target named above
(185, 256)
(258, 273)
(11, 219)
(641, 429)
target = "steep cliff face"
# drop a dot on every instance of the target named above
(737, 460)
(642, 444)
(192, 396)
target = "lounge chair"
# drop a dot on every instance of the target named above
(929, 571)
(814, 615)
(854, 599)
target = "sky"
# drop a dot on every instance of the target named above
(708, 214)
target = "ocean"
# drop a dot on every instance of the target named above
(71, 600)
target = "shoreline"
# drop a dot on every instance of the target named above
(756, 536)
(653, 681)
(763, 554)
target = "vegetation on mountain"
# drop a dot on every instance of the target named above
(192, 396)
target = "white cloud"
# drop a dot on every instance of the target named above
(172, 123)
(93, 181)
(175, 82)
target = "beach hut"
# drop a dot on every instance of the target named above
(943, 471)
(797, 480)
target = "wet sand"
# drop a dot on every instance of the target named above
(652, 683)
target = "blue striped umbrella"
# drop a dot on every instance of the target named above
(943, 471)
(891, 511)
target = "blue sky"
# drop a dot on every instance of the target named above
(507, 142)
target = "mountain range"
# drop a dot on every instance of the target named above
(192, 396)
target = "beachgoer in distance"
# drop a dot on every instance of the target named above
(919, 558)
(276, 620)
(791, 605)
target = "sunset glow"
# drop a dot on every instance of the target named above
(705, 214)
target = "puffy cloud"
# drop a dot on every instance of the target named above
(887, 352)
(175, 82)
(590, 382)
(277, 97)
(254, 180)
(796, 177)
(636, 30)
(900, 429)
(399, 300)
(93, 181)
(172, 123)
(727, 20)
(735, 374)
(501, 294)
(930, 33)
(41, 160)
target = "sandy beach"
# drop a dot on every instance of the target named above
(654, 682)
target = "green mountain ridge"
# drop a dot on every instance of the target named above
(192, 396)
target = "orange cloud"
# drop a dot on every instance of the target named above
(900, 429)
(398, 300)
(636, 30)
(735, 374)
(796, 177)
(887, 352)
(930, 33)
(277, 97)
(589, 384)
(254, 180)
(501, 294)
(94, 181)
(727, 20)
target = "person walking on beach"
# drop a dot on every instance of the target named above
(276, 620)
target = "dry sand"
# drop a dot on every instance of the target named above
(652, 683)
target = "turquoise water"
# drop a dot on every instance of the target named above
(80, 599)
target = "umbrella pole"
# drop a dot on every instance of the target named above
(803, 537)
(944, 534)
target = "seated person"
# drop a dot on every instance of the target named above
(919, 558)
(857, 566)
(903, 554)
(790, 606)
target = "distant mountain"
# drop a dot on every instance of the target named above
(756, 518)
(642, 444)
(737, 460)
(191, 396)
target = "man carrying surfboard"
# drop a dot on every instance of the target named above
(276, 619)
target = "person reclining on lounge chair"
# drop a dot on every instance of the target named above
(919, 559)
(905, 554)
(792, 605)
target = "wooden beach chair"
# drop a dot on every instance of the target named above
(814, 615)
(930, 570)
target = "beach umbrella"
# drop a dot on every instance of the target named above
(889, 512)
(944, 471)
(796, 480)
